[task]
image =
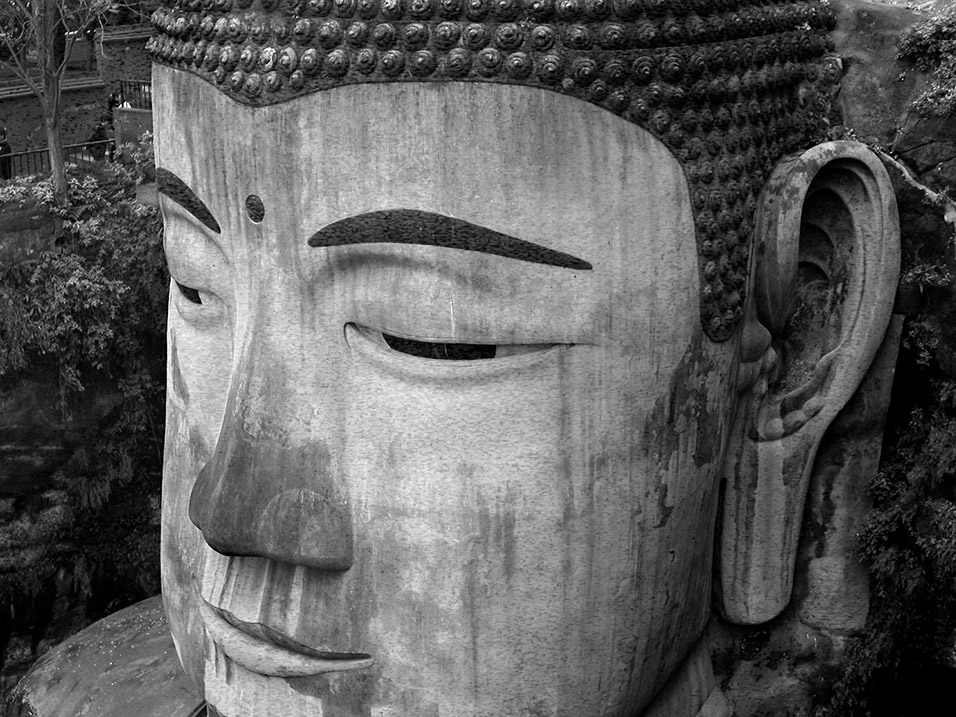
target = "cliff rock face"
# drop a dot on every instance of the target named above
(877, 87)
(928, 146)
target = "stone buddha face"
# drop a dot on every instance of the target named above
(445, 435)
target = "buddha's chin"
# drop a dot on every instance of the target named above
(262, 655)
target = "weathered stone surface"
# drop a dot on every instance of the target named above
(459, 484)
(834, 596)
(933, 157)
(919, 131)
(772, 670)
(122, 665)
(928, 145)
(765, 494)
(877, 86)
(244, 471)
(943, 175)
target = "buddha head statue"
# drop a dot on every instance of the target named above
(502, 335)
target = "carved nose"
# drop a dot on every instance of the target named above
(264, 493)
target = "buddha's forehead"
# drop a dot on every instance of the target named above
(519, 161)
(430, 143)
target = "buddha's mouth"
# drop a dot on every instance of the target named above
(269, 653)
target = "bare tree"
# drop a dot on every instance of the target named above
(47, 30)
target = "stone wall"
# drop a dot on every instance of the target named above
(20, 113)
(122, 55)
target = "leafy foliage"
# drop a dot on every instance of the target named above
(931, 44)
(89, 316)
(95, 307)
(909, 544)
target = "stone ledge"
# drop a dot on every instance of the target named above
(123, 665)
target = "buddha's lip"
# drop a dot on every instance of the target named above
(265, 657)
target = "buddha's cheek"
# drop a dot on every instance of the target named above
(534, 527)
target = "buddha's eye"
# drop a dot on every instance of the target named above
(448, 357)
(189, 293)
(442, 351)
(199, 307)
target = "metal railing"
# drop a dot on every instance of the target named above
(37, 161)
(137, 93)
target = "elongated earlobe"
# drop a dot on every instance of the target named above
(827, 267)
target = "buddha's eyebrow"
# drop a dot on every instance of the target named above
(410, 226)
(173, 187)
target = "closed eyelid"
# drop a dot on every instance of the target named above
(176, 189)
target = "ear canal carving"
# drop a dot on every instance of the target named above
(827, 267)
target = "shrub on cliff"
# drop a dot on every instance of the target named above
(931, 44)
(89, 316)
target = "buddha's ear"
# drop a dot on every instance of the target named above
(827, 262)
